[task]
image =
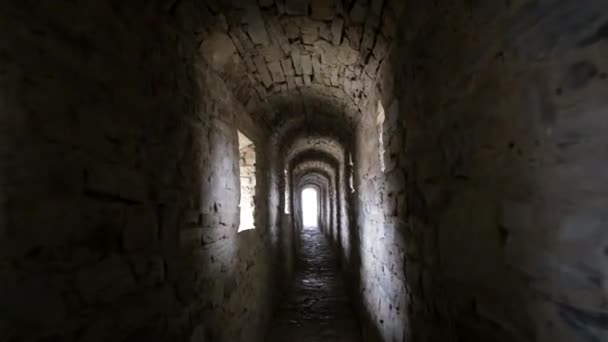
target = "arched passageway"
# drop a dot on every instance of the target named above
(310, 207)
(153, 154)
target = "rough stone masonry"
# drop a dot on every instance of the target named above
(482, 217)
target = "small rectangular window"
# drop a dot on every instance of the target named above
(247, 179)
(351, 178)
(380, 127)
(286, 192)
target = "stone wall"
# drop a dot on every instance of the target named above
(496, 196)
(114, 226)
(379, 206)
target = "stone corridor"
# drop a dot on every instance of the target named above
(317, 307)
(154, 153)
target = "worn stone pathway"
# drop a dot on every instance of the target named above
(317, 308)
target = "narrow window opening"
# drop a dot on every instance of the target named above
(247, 179)
(351, 178)
(380, 127)
(286, 192)
(310, 210)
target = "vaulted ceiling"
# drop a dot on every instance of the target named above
(288, 58)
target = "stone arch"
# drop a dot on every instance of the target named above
(322, 179)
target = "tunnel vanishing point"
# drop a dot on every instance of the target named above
(153, 155)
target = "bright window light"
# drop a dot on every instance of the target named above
(247, 175)
(380, 127)
(287, 201)
(309, 207)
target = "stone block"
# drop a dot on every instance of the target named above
(306, 65)
(287, 66)
(263, 73)
(380, 47)
(261, 91)
(337, 27)
(307, 80)
(310, 34)
(299, 81)
(371, 67)
(250, 65)
(272, 53)
(276, 71)
(256, 26)
(291, 82)
(292, 29)
(241, 41)
(335, 77)
(296, 58)
(367, 42)
(347, 55)
(316, 66)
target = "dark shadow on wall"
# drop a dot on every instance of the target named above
(114, 225)
(354, 254)
(86, 212)
(491, 130)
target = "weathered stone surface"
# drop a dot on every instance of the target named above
(306, 65)
(297, 7)
(310, 34)
(218, 50)
(337, 27)
(358, 12)
(256, 26)
(263, 72)
(296, 58)
(299, 81)
(276, 71)
(307, 80)
(354, 34)
(347, 55)
(316, 66)
(287, 66)
(272, 53)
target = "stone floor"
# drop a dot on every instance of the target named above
(317, 307)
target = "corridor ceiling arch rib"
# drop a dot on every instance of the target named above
(312, 155)
(326, 144)
(313, 170)
(296, 128)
